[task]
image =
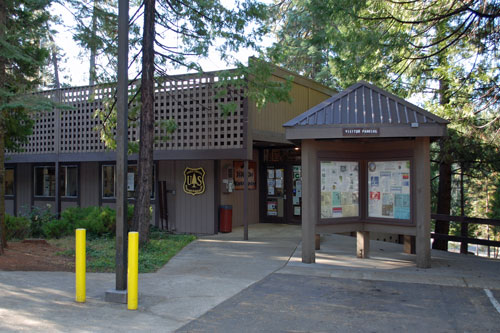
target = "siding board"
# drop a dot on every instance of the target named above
(194, 214)
(89, 184)
(23, 187)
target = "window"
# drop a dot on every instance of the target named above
(9, 181)
(339, 189)
(69, 181)
(389, 189)
(109, 182)
(45, 181)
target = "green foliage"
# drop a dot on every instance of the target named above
(98, 221)
(17, 227)
(255, 80)
(56, 229)
(495, 208)
(152, 256)
(38, 217)
(41, 223)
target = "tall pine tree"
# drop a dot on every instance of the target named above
(22, 27)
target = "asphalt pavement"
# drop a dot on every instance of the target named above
(221, 283)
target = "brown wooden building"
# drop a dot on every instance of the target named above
(66, 164)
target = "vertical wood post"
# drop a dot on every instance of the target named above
(245, 200)
(422, 201)
(57, 193)
(363, 244)
(409, 244)
(310, 191)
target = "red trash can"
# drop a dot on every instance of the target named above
(226, 218)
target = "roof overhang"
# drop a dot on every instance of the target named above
(381, 131)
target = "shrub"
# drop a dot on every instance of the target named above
(38, 217)
(17, 227)
(57, 228)
(98, 221)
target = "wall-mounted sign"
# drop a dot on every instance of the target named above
(372, 131)
(194, 181)
(239, 175)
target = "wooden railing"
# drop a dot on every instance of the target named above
(464, 224)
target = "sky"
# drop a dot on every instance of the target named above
(75, 65)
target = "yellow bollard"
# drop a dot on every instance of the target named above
(133, 270)
(80, 265)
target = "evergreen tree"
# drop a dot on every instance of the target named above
(197, 26)
(22, 27)
(446, 52)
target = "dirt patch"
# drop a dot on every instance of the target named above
(35, 256)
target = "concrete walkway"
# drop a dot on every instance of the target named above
(212, 270)
(388, 262)
(204, 274)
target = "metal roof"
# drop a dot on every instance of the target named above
(364, 105)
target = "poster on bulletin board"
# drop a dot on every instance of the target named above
(339, 189)
(389, 189)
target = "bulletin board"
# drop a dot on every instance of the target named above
(389, 189)
(339, 189)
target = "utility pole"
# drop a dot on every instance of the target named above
(119, 295)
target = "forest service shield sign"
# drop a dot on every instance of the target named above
(194, 181)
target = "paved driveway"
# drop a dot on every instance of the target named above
(298, 303)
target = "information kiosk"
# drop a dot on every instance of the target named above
(366, 168)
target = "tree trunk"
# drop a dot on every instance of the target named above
(93, 48)
(444, 191)
(3, 238)
(444, 203)
(142, 214)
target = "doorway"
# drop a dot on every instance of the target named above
(282, 195)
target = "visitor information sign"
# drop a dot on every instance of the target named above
(339, 189)
(389, 189)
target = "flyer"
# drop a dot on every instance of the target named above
(339, 189)
(389, 189)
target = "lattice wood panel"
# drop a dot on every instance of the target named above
(189, 100)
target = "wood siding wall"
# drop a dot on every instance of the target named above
(273, 116)
(9, 207)
(89, 184)
(189, 214)
(236, 197)
(166, 172)
(24, 187)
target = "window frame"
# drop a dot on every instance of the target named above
(66, 166)
(113, 165)
(13, 194)
(35, 195)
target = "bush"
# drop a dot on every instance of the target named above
(98, 221)
(57, 229)
(38, 217)
(40, 222)
(17, 227)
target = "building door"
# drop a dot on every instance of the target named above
(294, 204)
(275, 195)
(283, 194)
